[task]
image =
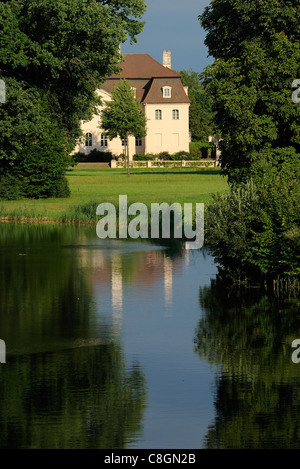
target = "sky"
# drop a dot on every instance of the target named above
(173, 25)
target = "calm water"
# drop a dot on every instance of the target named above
(131, 345)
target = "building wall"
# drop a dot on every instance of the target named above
(166, 134)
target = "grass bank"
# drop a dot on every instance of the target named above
(90, 187)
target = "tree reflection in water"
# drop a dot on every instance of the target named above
(66, 383)
(247, 335)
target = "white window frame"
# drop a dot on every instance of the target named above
(167, 92)
(88, 139)
(103, 140)
(158, 114)
(175, 114)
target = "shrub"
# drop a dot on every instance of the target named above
(10, 187)
(60, 189)
(206, 149)
(141, 157)
(164, 155)
(253, 230)
(97, 156)
(34, 146)
(195, 153)
(42, 166)
(79, 157)
(180, 155)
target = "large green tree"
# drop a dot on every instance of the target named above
(123, 116)
(256, 46)
(200, 114)
(53, 56)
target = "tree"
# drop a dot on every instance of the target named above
(256, 46)
(123, 116)
(57, 53)
(200, 114)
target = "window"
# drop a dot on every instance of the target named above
(175, 114)
(103, 142)
(158, 115)
(88, 140)
(138, 142)
(123, 141)
(167, 91)
(134, 91)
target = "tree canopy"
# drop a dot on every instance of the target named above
(57, 53)
(257, 54)
(200, 114)
(254, 229)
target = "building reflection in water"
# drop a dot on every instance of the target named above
(112, 270)
(116, 287)
(168, 281)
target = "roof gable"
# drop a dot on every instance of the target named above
(148, 77)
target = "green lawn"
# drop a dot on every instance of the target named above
(105, 185)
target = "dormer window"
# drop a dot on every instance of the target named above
(167, 91)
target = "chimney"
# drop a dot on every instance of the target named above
(167, 58)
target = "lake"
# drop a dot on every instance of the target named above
(117, 344)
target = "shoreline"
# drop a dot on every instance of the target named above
(45, 220)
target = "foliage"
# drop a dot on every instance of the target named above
(53, 56)
(253, 230)
(164, 155)
(33, 148)
(201, 116)
(10, 187)
(195, 154)
(257, 53)
(202, 150)
(123, 116)
(94, 156)
(142, 157)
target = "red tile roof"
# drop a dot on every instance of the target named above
(143, 66)
(148, 77)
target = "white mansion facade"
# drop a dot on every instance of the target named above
(164, 101)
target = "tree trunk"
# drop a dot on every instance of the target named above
(127, 154)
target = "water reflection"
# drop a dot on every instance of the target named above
(248, 335)
(66, 383)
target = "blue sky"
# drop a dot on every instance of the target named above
(173, 25)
